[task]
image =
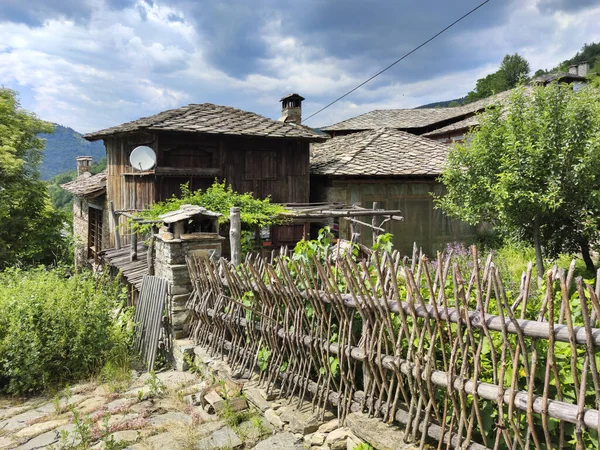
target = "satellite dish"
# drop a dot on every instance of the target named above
(142, 158)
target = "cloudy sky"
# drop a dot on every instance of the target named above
(90, 64)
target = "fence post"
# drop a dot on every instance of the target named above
(150, 254)
(374, 221)
(235, 229)
(115, 220)
(133, 252)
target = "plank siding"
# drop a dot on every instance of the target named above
(276, 167)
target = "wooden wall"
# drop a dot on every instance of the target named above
(262, 165)
(423, 224)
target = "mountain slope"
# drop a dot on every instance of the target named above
(442, 104)
(62, 147)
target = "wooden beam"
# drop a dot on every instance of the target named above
(375, 227)
(235, 233)
(115, 220)
(191, 171)
(133, 250)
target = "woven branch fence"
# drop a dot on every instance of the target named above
(448, 349)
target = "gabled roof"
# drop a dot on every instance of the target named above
(413, 118)
(383, 152)
(211, 119)
(557, 76)
(187, 212)
(464, 125)
(461, 125)
(87, 186)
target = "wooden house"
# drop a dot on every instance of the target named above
(197, 144)
(396, 169)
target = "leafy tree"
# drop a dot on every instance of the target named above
(512, 69)
(589, 53)
(531, 171)
(31, 228)
(487, 86)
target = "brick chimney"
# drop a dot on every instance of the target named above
(291, 108)
(84, 165)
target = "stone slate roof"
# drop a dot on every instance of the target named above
(187, 212)
(211, 119)
(464, 124)
(557, 76)
(413, 118)
(381, 152)
(87, 186)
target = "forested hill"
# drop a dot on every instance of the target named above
(62, 147)
(443, 104)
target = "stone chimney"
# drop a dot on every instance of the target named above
(291, 108)
(580, 69)
(84, 165)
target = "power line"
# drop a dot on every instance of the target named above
(398, 60)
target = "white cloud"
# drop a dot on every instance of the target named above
(119, 65)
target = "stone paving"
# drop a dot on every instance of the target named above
(168, 411)
(152, 413)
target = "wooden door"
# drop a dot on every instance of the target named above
(94, 232)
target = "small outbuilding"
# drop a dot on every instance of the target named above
(396, 169)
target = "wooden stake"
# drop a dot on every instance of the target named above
(115, 220)
(235, 232)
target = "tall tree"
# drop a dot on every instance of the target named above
(31, 228)
(512, 69)
(531, 170)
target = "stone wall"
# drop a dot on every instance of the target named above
(81, 207)
(80, 230)
(169, 263)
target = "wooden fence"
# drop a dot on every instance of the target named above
(446, 348)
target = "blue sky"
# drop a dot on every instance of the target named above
(90, 64)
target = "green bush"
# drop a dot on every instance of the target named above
(57, 327)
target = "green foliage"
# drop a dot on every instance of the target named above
(363, 446)
(156, 388)
(57, 327)
(31, 227)
(512, 69)
(384, 243)
(305, 250)
(263, 358)
(221, 197)
(533, 173)
(589, 53)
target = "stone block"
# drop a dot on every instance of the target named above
(377, 433)
(328, 427)
(254, 397)
(304, 420)
(273, 419)
(178, 289)
(336, 440)
(223, 438)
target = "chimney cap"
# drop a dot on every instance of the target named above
(292, 96)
